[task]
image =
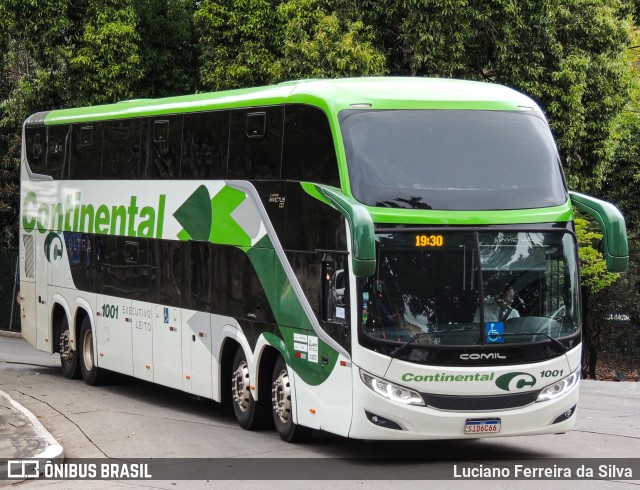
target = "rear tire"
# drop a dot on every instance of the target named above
(91, 373)
(68, 356)
(282, 407)
(250, 414)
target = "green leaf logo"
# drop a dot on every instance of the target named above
(195, 214)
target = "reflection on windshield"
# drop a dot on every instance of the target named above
(432, 283)
(452, 159)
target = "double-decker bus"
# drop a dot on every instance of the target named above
(380, 258)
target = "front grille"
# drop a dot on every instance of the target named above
(469, 403)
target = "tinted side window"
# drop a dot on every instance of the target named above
(133, 268)
(56, 150)
(205, 145)
(197, 288)
(106, 249)
(256, 143)
(86, 151)
(308, 152)
(163, 146)
(122, 144)
(81, 254)
(36, 144)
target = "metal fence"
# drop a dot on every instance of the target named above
(9, 309)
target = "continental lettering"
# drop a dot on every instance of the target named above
(444, 377)
(73, 215)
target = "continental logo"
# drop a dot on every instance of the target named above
(442, 377)
(74, 216)
(515, 381)
(508, 382)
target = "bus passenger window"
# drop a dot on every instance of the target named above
(161, 157)
(122, 141)
(205, 145)
(308, 152)
(56, 150)
(256, 143)
(86, 151)
(46, 149)
(36, 148)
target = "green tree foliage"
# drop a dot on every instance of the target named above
(32, 76)
(622, 182)
(168, 60)
(595, 282)
(567, 55)
(253, 42)
(107, 62)
(237, 42)
(316, 44)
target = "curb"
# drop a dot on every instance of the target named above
(54, 450)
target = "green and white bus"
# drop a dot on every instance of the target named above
(379, 258)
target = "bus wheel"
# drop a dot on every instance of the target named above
(244, 406)
(68, 356)
(90, 371)
(281, 404)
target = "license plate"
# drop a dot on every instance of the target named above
(482, 426)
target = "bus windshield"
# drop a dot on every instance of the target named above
(429, 284)
(452, 159)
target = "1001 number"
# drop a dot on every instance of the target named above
(110, 311)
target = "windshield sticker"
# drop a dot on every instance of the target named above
(494, 332)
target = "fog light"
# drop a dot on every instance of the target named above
(381, 421)
(565, 416)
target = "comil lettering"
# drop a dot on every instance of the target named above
(73, 216)
(477, 357)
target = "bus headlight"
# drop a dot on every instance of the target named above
(559, 388)
(391, 391)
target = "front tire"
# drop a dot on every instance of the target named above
(68, 356)
(90, 372)
(282, 407)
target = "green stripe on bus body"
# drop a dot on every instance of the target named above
(332, 95)
(555, 214)
(289, 314)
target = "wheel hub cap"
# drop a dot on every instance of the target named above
(240, 386)
(281, 396)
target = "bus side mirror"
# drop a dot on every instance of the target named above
(614, 230)
(363, 242)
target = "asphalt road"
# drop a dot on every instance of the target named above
(134, 419)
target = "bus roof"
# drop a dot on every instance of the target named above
(332, 95)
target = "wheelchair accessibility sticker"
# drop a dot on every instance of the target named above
(494, 332)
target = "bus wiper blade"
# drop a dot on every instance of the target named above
(552, 339)
(395, 352)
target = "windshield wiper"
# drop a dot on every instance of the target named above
(552, 339)
(395, 352)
